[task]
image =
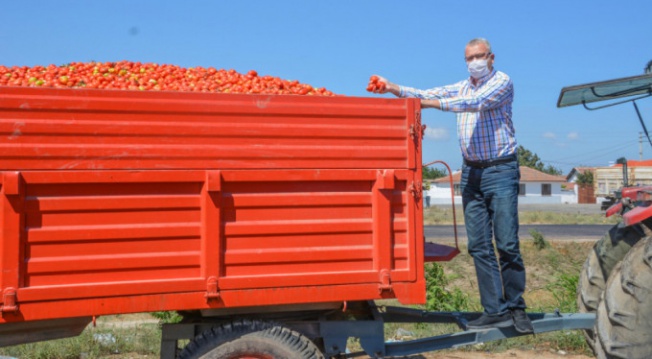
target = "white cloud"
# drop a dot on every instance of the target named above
(573, 136)
(437, 134)
(549, 135)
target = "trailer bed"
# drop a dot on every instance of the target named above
(120, 202)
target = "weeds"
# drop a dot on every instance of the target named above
(93, 343)
(444, 215)
(564, 290)
(438, 296)
(168, 317)
(540, 217)
(572, 341)
(441, 215)
(539, 241)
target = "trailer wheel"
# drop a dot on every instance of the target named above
(606, 253)
(251, 339)
(624, 319)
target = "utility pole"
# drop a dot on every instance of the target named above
(640, 145)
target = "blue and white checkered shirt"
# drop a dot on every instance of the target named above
(484, 114)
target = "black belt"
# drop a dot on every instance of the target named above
(490, 163)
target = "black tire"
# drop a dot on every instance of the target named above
(624, 321)
(605, 255)
(589, 290)
(251, 339)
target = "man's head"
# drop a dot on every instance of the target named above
(479, 49)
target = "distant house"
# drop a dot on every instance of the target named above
(534, 187)
(572, 175)
(583, 194)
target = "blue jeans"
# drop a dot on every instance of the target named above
(490, 199)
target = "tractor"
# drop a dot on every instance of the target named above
(616, 279)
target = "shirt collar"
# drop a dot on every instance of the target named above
(482, 79)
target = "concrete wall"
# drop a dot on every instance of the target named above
(440, 193)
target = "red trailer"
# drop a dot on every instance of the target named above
(240, 211)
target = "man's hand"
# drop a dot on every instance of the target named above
(379, 84)
(389, 86)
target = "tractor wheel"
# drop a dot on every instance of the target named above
(624, 321)
(606, 253)
(589, 289)
(254, 339)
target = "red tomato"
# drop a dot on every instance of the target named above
(131, 75)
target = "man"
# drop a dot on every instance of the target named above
(489, 183)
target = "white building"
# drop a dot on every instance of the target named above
(534, 187)
(587, 195)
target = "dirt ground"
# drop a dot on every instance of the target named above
(510, 354)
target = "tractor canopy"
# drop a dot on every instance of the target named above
(622, 88)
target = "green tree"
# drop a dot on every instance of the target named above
(530, 159)
(585, 178)
(432, 173)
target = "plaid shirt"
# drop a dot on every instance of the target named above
(484, 114)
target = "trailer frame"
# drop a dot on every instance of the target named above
(335, 333)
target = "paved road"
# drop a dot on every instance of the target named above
(549, 231)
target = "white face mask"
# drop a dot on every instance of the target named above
(478, 68)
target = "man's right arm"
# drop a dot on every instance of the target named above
(430, 94)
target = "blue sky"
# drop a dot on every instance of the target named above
(338, 44)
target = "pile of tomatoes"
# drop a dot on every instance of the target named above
(127, 75)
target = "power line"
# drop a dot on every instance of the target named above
(605, 150)
(592, 158)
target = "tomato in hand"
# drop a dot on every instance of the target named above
(375, 85)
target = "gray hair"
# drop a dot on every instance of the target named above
(480, 40)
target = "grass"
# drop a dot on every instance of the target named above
(104, 341)
(443, 215)
(538, 239)
(552, 275)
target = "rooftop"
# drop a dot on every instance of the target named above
(527, 175)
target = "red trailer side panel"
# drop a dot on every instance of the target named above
(93, 129)
(120, 202)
